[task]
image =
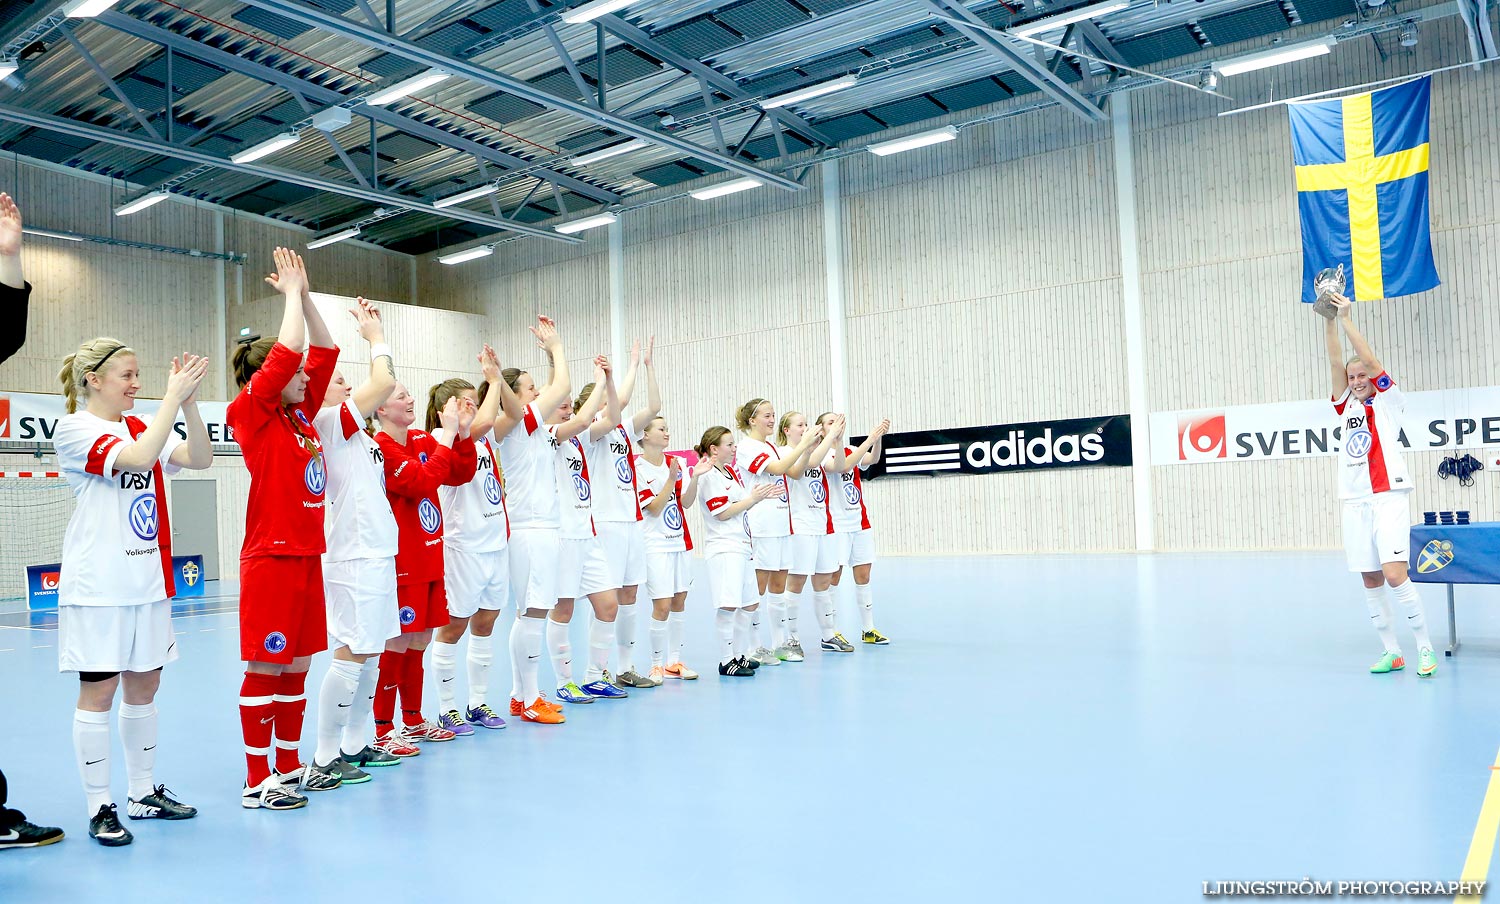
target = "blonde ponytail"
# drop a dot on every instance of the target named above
(89, 358)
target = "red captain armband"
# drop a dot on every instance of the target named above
(1383, 382)
(99, 452)
(756, 465)
(717, 503)
(644, 496)
(530, 421)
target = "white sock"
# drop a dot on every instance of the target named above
(744, 631)
(1411, 601)
(518, 659)
(778, 618)
(676, 628)
(793, 603)
(356, 729)
(725, 622)
(659, 643)
(601, 638)
(823, 606)
(445, 670)
(625, 637)
(138, 738)
(530, 665)
(755, 635)
(1380, 618)
(335, 700)
(481, 654)
(91, 750)
(561, 652)
(866, 599)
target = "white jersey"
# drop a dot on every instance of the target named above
(808, 496)
(667, 532)
(575, 491)
(846, 498)
(527, 456)
(615, 480)
(773, 517)
(1371, 460)
(117, 549)
(359, 523)
(716, 490)
(476, 520)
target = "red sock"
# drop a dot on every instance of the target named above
(411, 689)
(256, 715)
(391, 667)
(290, 705)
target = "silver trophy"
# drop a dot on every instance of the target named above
(1328, 282)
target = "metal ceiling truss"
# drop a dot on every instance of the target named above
(348, 28)
(142, 143)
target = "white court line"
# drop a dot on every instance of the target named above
(206, 630)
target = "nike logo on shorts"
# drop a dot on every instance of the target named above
(92, 762)
(342, 705)
(267, 720)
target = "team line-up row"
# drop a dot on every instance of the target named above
(382, 543)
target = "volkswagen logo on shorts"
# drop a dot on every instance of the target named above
(582, 486)
(430, 516)
(275, 642)
(315, 476)
(1359, 443)
(408, 615)
(491, 488)
(143, 516)
(851, 493)
(672, 517)
(624, 471)
(817, 491)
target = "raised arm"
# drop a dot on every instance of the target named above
(1356, 338)
(627, 382)
(289, 279)
(560, 385)
(511, 410)
(856, 458)
(833, 438)
(601, 426)
(10, 243)
(488, 411)
(583, 418)
(1335, 346)
(373, 392)
(872, 455)
(317, 331)
(642, 418)
(141, 455)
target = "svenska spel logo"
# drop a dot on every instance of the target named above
(51, 580)
(4, 416)
(1202, 437)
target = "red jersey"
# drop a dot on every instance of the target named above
(413, 473)
(284, 514)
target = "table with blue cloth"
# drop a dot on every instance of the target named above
(1455, 554)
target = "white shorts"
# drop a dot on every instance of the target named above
(731, 580)
(624, 545)
(808, 554)
(771, 553)
(533, 555)
(475, 580)
(115, 638)
(854, 548)
(581, 569)
(668, 574)
(1377, 529)
(360, 598)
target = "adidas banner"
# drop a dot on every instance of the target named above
(1087, 442)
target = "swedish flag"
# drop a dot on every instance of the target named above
(1362, 190)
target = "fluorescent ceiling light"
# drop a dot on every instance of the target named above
(811, 91)
(265, 148)
(87, 9)
(727, 188)
(8, 68)
(329, 239)
(141, 203)
(1275, 57)
(468, 195)
(407, 86)
(1068, 18)
(591, 11)
(603, 219)
(919, 140)
(635, 144)
(47, 233)
(470, 254)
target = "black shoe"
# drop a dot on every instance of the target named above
(106, 828)
(372, 756)
(748, 663)
(350, 773)
(159, 805)
(736, 668)
(315, 778)
(24, 834)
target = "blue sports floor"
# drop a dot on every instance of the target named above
(1080, 728)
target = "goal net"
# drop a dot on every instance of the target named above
(34, 513)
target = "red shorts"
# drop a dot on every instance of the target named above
(281, 608)
(423, 607)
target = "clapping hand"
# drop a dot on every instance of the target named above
(291, 273)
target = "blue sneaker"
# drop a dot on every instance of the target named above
(484, 716)
(455, 723)
(572, 693)
(605, 688)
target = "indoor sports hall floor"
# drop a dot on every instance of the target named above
(1079, 728)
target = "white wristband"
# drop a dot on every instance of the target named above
(380, 350)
